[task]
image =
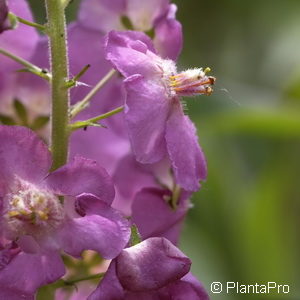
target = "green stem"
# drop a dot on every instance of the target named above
(65, 3)
(29, 23)
(93, 121)
(95, 276)
(175, 196)
(30, 67)
(81, 105)
(56, 30)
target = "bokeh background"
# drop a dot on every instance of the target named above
(244, 225)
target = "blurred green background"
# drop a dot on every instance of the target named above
(244, 225)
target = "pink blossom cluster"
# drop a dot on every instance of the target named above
(137, 170)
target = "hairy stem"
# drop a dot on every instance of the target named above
(56, 30)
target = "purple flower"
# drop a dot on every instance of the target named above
(20, 41)
(130, 177)
(137, 185)
(150, 202)
(150, 186)
(156, 122)
(35, 225)
(156, 15)
(152, 269)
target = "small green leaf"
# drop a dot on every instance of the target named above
(126, 23)
(85, 124)
(151, 33)
(6, 120)
(135, 236)
(23, 70)
(39, 122)
(21, 112)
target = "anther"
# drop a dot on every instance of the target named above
(192, 82)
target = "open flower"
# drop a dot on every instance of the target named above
(150, 186)
(167, 221)
(36, 225)
(152, 269)
(156, 17)
(156, 122)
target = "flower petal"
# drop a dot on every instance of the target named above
(125, 51)
(188, 288)
(165, 218)
(103, 15)
(146, 115)
(80, 176)
(150, 265)
(13, 294)
(187, 158)
(28, 244)
(22, 154)
(130, 177)
(107, 232)
(107, 153)
(168, 36)
(109, 287)
(27, 272)
(143, 14)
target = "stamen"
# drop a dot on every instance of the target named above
(30, 210)
(43, 215)
(13, 213)
(192, 82)
(207, 70)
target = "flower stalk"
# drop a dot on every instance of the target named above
(81, 105)
(93, 121)
(28, 65)
(90, 277)
(56, 29)
(26, 22)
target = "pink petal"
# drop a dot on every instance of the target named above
(150, 265)
(102, 229)
(146, 115)
(187, 158)
(103, 15)
(82, 176)
(27, 272)
(165, 219)
(168, 36)
(109, 287)
(128, 56)
(22, 154)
